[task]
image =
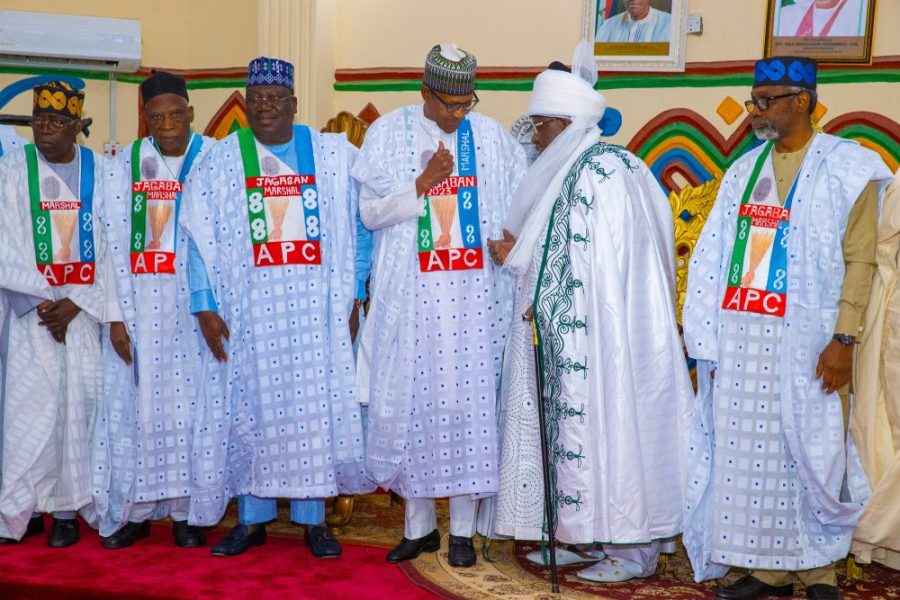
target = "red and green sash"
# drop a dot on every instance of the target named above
(282, 209)
(449, 236)
(57, 229)
(758, 271)
(156, 256)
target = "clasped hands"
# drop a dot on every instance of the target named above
(56, 316)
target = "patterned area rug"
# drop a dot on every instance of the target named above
(503, 571)
(508, 574)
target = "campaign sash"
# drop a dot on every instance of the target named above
(154, 200)
(757, 275)
(56, 215)
(449, 235)
(282, 206)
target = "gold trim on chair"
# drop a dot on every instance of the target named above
(690, 208)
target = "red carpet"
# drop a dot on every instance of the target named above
(155, 568)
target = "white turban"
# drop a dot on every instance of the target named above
(565, 95)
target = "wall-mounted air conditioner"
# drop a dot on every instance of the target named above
(52, 41)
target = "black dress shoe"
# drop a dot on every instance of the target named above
(749, 587)
(462, 552)
(187, 536)
(820, 591)
(35, 526)
(63, 533)
(240, 540)
(408, 549)
(322, 542)
(126, 536)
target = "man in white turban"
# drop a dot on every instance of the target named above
(593, 256)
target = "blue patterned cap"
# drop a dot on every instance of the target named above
(270, 71)
(795, 71)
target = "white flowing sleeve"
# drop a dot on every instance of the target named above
(378, 212)
(701, 304)
(387, 189)
(115, 188)
(18, 270)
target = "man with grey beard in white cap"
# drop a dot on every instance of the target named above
(590, 240)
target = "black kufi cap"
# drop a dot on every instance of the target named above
(160, 83)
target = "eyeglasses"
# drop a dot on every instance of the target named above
(543, 122)
(52, 123)
(452, 108)
(270, 100)
(765, 102)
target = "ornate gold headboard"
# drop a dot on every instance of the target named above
(690, 208)
(353, 126)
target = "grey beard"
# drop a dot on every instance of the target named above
(766, 133)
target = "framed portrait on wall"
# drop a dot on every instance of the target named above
(636, 35)
(831, 31)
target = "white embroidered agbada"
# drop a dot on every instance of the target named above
(142, 444)
(9, 142)
(600, 279)
(764, 423)
(51, 389)
(280, 418)
(876, 408)
(430, 356)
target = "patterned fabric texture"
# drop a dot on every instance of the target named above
(270, 71)
(46, 443)
(431, 352)
(280, 418)
(453, 77)
(802, 448)
(142, 441)
(58, 97)
(610, 413)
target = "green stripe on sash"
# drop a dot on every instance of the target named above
(40, 219)
(138, 202)
(426, 237)
(736, 270)
(256, 206)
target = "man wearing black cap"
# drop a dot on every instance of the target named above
(437, 179)
(777, 291)
(51, 265)
(142, 446)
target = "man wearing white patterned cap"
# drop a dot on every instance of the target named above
(593, 226)
(437, 180)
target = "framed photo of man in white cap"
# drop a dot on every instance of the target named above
(636, 35)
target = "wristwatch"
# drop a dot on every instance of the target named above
(844, 339)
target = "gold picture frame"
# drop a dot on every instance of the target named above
(830, 31)
(621, 43)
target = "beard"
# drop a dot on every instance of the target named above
(766, 131)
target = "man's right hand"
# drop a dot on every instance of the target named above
(118, 335)
(439, 167)
(213, 329)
